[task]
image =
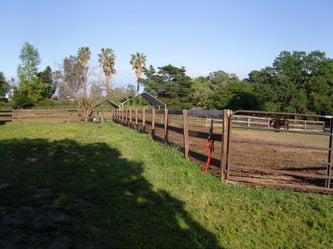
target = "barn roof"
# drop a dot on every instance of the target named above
(149, 98)
(113, 104)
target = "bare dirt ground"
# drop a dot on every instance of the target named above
(267, 157)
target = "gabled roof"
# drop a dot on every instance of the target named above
(149, 98)
(112, 103)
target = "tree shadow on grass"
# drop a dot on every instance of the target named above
(63, 194)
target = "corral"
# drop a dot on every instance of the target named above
(254, 153)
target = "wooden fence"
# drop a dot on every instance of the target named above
(244, 121)
(5, 116)
(239, 157)
(50, 115)
(178, 127)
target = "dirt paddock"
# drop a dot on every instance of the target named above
(264, 157)
(268, 157)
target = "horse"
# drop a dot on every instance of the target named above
(276, 123)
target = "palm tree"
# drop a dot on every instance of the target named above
(83, 56)
(107, 62)
(138, 61)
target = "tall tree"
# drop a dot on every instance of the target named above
(83, 56)
(106, 60)
(68, 80)
(138, 61)
(296, 82)
(4, 86)
(47, 77)
(29, 57)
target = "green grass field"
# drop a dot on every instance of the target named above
(107, 186)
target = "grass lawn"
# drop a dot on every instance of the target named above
(107, 186)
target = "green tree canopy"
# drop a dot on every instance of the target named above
(29, 57)
(46, 77)
(4, 86)
(296, 82)
(170, 84)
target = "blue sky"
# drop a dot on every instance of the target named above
(203, 36)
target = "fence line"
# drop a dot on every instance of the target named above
(184, 128)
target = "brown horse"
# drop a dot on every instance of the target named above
(277, 123)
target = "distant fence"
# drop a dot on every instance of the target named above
(244, 121)
(263, 122)
(5, 116)
(269, 156)
(50, 115)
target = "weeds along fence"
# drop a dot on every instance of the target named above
(183, 129)
(246, 150)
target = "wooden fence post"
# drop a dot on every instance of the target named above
(166, 125)
(136, 118)
(224, 146)
(102, 116)
(130, 117)
(153, 122)
(330, 155)
(185, 135)
(143, 119)
(230, 117)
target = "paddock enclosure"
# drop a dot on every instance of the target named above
(247, 149)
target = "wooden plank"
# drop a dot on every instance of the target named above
(102, 116)
(136, 118)
(153, 122)
(330, 159)
(175, 112)
(204, 135)
(158, 125)
(224, 146)
(276, 172)
(175, 129)
(130, 116)
(143, 119)
(248, 141)
(166, 114)
(185, 134)
(7, 114)
(229, 152)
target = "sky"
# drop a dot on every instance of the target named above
(202, 35)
